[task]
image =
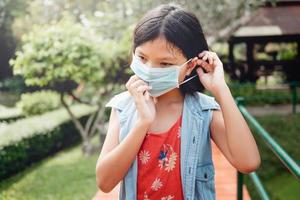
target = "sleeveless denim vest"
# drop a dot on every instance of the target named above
(197, 169)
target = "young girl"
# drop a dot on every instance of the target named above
(158, 140)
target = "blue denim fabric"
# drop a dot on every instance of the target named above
(197, 169)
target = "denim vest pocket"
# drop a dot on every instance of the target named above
(205, 183)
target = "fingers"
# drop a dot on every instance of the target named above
(211, 60)
(134, 81)
(205, 65)
(138, 87)
(147, 95)
(194, 61)
(131, 80)
(201, 54)
(200, 71)
(212, 57)
(138, 83)
(205, 56)
(142, 88)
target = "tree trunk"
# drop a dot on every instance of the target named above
(87, 148)
(94, 124)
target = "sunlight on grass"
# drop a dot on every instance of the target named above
(66, 176)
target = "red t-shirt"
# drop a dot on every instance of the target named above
(159, 165)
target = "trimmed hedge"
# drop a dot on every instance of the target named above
(10, 114)
(254, 96)
(35, 103)
(19, 154)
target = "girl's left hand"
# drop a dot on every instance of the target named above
(213, 80)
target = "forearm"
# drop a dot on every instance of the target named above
(240, 141)
(114, 166)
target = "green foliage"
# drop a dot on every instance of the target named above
(287, 51)
(19, 155)
(9, 99)
(254, 96)
(13, 84)
(67, 53)
(285, 131)
(27, 127)
(284, 187)
(38, 102)
(66, 176)
(21, 146)
(9, 114)
(57, 53)
(9, 10)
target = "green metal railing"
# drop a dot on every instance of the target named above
(283, 156)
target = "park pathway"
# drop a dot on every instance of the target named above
(226, 185)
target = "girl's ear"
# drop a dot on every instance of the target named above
(190, 66)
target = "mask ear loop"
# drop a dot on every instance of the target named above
(189, 60)
(188, 78)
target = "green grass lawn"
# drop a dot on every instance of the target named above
(66, 176)
(286, 187)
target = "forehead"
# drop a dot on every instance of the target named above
(159, 48)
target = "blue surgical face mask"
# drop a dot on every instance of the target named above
(160, 79)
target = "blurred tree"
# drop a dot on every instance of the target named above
(9, 10)
(65, 55)
(111, 17)
(94, 52)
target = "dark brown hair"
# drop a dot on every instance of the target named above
(180, 28)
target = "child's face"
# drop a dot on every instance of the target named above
(160, 53)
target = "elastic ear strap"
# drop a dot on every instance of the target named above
(187, 62)
(188, 79)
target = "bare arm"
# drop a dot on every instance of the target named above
(115, 159)
(229, 129)
(232, 135)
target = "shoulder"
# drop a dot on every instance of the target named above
(206, 102)
(120, 100)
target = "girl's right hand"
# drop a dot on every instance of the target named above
(145, 104)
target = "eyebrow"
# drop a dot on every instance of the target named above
(167, 58)
(159, 58)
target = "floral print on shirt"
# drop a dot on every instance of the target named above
(158, 166)
(167, 158)
(144, 156)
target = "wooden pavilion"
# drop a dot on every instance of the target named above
(268, 25)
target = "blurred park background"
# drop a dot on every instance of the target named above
(61, 60)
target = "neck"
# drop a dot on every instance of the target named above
(173, 96)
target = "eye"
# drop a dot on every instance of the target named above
(142, 58)
(166, 64)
